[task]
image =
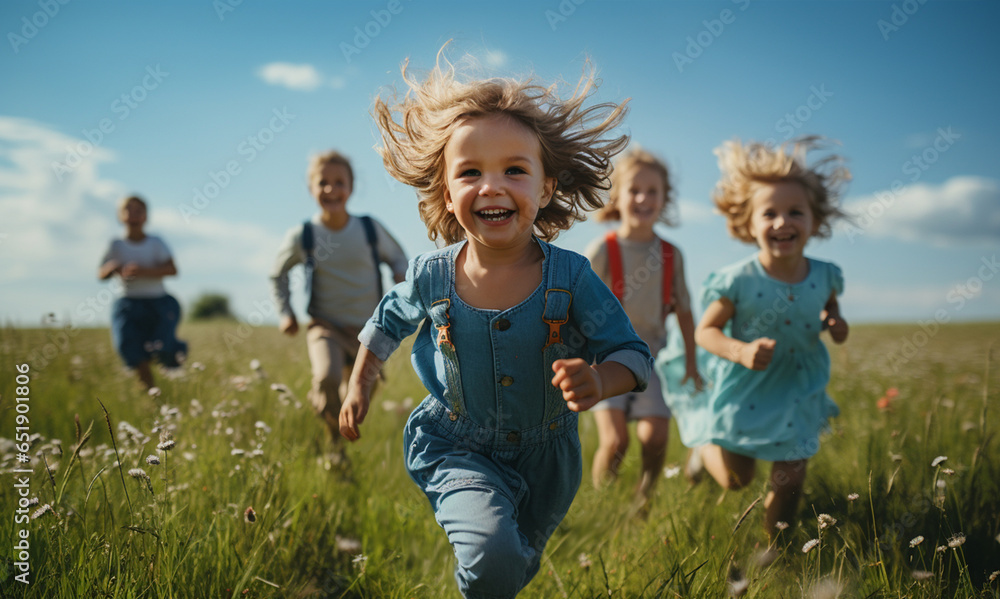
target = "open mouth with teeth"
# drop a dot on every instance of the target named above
(786, 238)
(495, 215)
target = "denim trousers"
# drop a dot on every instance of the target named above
(146, 328)
(499, 497)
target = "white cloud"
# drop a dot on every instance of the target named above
(961, 211)
(53, 232)
(301, 77)
(692, 212)
(496, 58)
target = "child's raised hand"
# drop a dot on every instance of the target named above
(692, 374)
(288, 325)
(353, 413)
(579, 382)
(757, 354)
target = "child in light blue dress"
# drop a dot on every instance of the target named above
(518, 335)
(762, 321)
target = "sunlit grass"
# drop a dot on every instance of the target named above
(366, 530)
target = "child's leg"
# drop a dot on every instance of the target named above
(612, 430)
(653, 434)
(172, 350)
(326, 357)
(781, 503)
(128, 337)
(730, 470)
(493, 557)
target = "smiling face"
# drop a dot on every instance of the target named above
(495, 183)
(641, 198)
(781, 219)
(332, 186)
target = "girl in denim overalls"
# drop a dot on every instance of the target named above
(517, 335)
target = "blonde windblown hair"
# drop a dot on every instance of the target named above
(635, 158)
(744, 167)
(574, 146)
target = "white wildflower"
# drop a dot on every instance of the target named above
(348, 545)
(138, 473)
(921, 575)
(994, 575)
(937, 461)
(948, 471)
(407, 403)
(389, 406)
(810, 545)
(853, 497)
(255, 364)
(672, 471)
(584, 560)
(152, 460)
(916, 540)
(941, 548)
(826, 589)
(262, 426)
(236, 451)
(896, 457)
(738, 587)
(197, 366)
(826, 521)
(154, 392)
(166, 445)
(359, 561)
(956, 541)
(781, 525)
(280, 388)
(45, 509)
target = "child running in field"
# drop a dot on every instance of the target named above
(763, 317)
(144, 319)
(341, 254)
(646, 274)
(513, 323)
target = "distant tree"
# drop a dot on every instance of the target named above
(211, 305)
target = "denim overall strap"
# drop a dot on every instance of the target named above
(556, 313)
(441, 279)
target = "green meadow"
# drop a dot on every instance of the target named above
(236, 497)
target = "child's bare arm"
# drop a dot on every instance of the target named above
(108, 269)
(755, 355)
(165, 269)
(583, 385)
(685, 321)
(833, 321)
(366, 368)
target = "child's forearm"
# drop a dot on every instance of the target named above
(718, 343)
(365, 372)
(686, 323)
(108, 269)
(616, 379)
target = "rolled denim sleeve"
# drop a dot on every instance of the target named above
(397, 316)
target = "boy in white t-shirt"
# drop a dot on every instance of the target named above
(144, 320)
(341, 254)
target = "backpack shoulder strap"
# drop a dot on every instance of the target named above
(369, 226)
(308, 243)
(615, 266)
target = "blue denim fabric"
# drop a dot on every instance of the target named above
(494, 447)
(146, 328)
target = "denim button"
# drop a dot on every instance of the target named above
(501, 325)
(507, 381)
(513, 437)
(553, 426)
(452, 416)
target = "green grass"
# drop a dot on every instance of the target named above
(186, 534)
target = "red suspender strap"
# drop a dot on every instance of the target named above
(668, 272)
(615, 266)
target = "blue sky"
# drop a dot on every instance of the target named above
(105, 98)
